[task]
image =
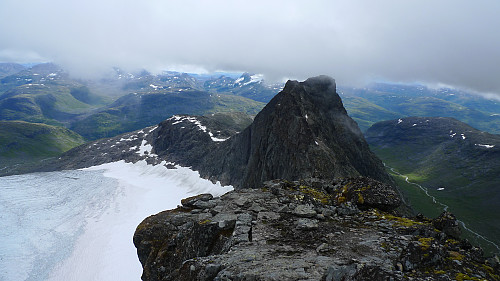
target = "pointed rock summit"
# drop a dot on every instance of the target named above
(304, 131)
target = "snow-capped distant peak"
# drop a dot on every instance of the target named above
(246, 79)
(255, 78)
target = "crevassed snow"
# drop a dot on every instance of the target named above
(78, 225)
(485, 145)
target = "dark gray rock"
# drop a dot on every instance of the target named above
(238, 243)
(303, 132)
(447, 222)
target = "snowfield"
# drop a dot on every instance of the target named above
(79, 225)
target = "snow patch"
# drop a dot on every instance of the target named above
(239, 80)
(485, 145)
(441, 188)
(153, 86)
(131, 138)
(145, 148)
(400, 121)
(180, 119)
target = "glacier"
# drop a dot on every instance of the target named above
(79, 224)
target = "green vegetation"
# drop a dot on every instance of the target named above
(366, 113)
(390, 101)
(25, 142)
(228, 103)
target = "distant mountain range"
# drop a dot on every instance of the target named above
(383, 101)
(123, 102)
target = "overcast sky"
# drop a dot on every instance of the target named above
(452, 42)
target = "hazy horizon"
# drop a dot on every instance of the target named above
(453, 43)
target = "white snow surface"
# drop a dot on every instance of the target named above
(485, 145)
(255, 78)
(78, 225)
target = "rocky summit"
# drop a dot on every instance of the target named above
(304, 131)
(305, 230)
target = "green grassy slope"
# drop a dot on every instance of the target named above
(23, 142)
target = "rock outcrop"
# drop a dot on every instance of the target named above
(305, 230)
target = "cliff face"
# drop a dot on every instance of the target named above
(304, 131)
(305, 230)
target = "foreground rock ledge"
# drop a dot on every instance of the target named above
(305, 230)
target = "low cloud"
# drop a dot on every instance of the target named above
(450, 42)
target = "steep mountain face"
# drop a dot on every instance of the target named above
(457, 163)
(302, 132)
(444, 151)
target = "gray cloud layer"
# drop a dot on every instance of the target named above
(449, 41)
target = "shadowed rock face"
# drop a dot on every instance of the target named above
(304, 131)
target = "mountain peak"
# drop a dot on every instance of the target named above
(304, 131)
